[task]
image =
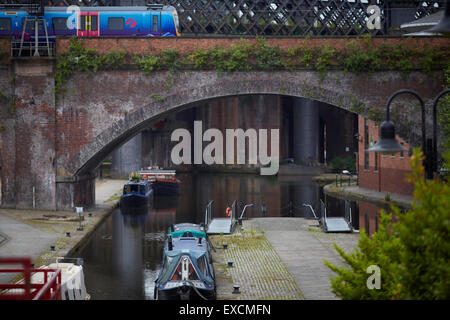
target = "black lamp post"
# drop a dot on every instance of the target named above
(388, 144)
(435, 103)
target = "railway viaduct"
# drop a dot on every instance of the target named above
(50, 146)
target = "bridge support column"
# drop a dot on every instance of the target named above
(306, 131)
(75, 191)
(127, 158)
(31, 169)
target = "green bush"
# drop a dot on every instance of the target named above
(148, 63)
(339, 164)
(412, 253)
(358, 60)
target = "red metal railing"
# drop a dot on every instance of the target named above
(50, 289)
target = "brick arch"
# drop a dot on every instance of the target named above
(305, 85)
(178, 91)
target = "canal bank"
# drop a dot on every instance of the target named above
(356, 193)
(278, 258)
(45, 235)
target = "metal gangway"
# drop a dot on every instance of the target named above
(333, 224)
(336, 224)
(220, 225)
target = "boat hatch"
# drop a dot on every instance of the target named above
(185, 270)
(134, 188)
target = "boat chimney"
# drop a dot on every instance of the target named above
(170, 244)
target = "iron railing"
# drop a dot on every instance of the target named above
(50, 289)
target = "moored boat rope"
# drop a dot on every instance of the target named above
(195, 289)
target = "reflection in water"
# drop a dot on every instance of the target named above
(123, 257)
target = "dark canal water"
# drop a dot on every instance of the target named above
(123, 257)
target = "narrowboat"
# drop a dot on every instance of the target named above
(164, 182)
(187, 272)
(136, 193)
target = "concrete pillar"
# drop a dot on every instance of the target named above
(127, 158)
(306, 131)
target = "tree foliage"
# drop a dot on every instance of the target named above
(412, 253)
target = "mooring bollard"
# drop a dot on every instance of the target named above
(236, 289)
(230, 264)
(225, 246)
(79, 211)
(52, 248)
(68, 234)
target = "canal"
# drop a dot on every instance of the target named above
(123, 256)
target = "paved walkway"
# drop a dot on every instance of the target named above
(302, 246)
(257, 269)
(362, 194)
(30, 233)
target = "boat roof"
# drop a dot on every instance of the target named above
(140, 182)
(157, 171)
(188, 226)
(188, 234)
(188, 244)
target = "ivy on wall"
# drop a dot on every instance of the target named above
(357, 57)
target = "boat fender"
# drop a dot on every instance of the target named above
(228, 211)
(170, 244)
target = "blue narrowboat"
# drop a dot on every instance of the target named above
(136, 193)
(187, 272)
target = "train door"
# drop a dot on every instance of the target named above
(156, 23)
(88, 24)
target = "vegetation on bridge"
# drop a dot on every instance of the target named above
(359, 56)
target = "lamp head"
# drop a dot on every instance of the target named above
(387, 143)
(444, 25)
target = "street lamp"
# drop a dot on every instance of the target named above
(444, 25)
(387, 142)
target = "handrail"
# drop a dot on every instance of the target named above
(50, 289)
(310, 207)
(243, 210)
(208, 213)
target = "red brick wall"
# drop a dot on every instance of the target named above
(392, 172)
(186, 45)
(368, 216)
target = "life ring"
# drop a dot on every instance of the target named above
(228, 211)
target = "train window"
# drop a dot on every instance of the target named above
(155, 23)
(82, 23)
(60, 24)
(116, 23)
(94, 22)
(5, 24)
(30, 25)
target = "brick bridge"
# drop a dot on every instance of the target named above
(50, 148)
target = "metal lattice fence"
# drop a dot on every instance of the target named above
(284, 17)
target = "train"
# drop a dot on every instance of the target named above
(133, 21)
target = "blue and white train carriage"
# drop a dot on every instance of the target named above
(138, 21)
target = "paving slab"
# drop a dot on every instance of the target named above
(302, 247)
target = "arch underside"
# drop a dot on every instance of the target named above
(347, 94)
